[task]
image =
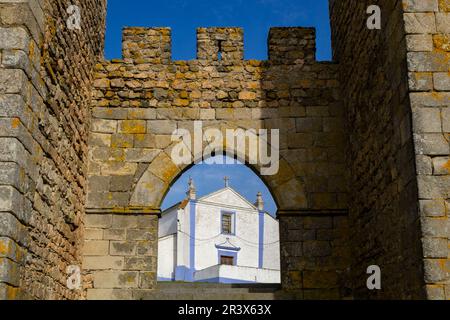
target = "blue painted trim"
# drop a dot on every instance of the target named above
(224, 280)
(261, 240)
(233, 225)
(165, 279)
(233, 254)
(181, 273)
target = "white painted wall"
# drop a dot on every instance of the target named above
(167, 260)
(183, 237)
(272, 243)
(208, 226)
(247, 274)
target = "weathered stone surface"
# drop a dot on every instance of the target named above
(360, 109)
(103, 263)
(115, 279)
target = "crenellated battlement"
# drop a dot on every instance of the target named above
(294, 45)
(146, 45)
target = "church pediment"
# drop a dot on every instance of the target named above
(228, 197)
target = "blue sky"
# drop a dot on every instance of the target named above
(210, 177)
(184, 16)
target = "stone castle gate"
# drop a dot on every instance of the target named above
(364, 147)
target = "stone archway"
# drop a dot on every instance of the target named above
(140, 100)
(162, 172)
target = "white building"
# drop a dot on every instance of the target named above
(220, 237)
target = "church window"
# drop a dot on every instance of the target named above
(227, 260)
(227, 226)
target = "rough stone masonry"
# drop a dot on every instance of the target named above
(364, 142)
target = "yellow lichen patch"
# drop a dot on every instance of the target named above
(15, 122)
(247, 95)
(132, 126)
(444, 5)
(4, 248)
(181, 102)
(446, 166)
(442, 42)
(12, 293)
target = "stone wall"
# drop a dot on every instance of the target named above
(384, 217)
(120, 255)
(315, 255)
(45, 77)
(427, 26)
(141, 99)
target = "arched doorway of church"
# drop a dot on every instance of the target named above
(219, 225)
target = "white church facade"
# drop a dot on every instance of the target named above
(220, 237)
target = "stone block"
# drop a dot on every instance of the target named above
(14, 38)
(100, 139)
(435, 292)
(140, 234)
(147, 280)
(98, 220)
(435, 227)
(435, 247)
(423, 165)
(441, 81)
(426, 120)
(419, 42)
(435, 61)
(434, 187)
(104, 126)
(103, 263)
(420, 23)
(441, 166)
(132, 126)
(431, 144)
(123, 248)
(93, 234)
(446, 120)
(141, 155)
(420, 5)
(8, 292)
(146, 248)
(432, 208)
(121, 140)
(124, 221)
(110, 113)
(443, 22)
(161, 126)
(115, 279)
(144, 141)
(9, 272)
(96, 248)
(114, 234)
(141, 114)
(109, 294)
(121, 183)
(145, 263)
(436, 270)
(316, 248)
(420, 81)
(12, 81)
